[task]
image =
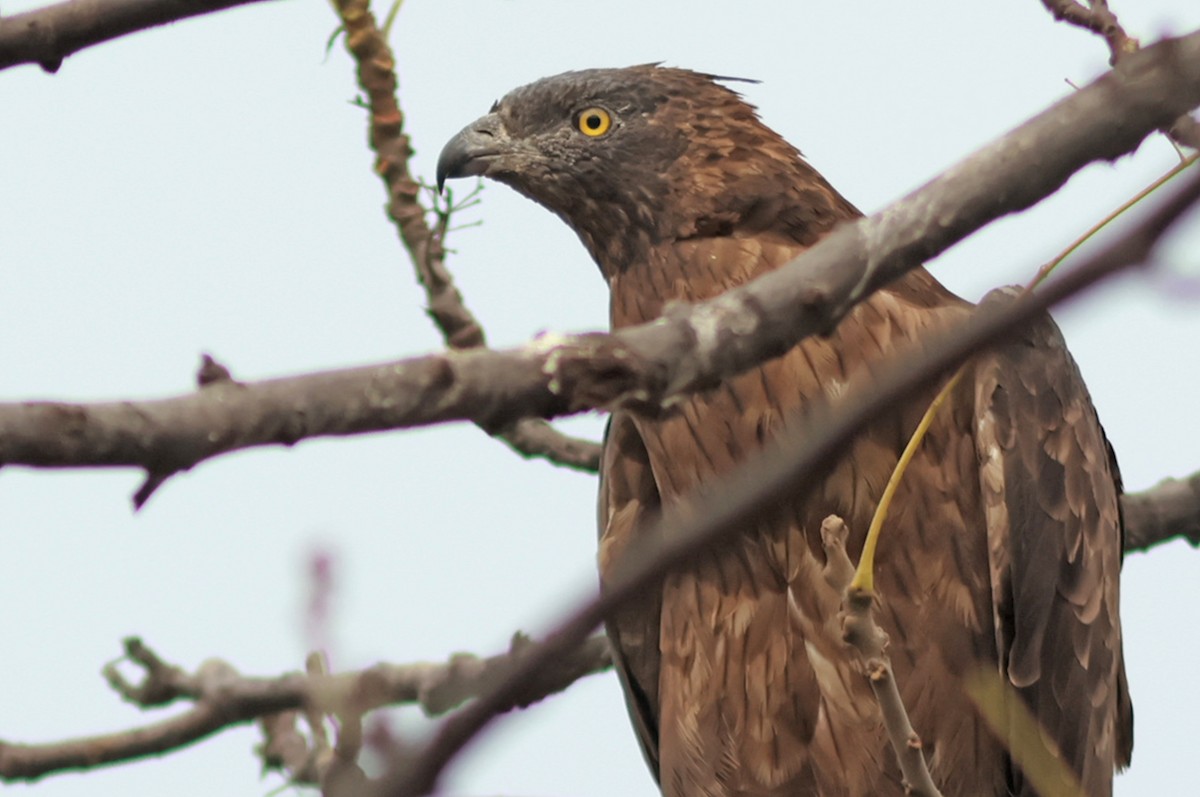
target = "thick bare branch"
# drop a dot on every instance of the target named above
(45, 36)
(165, 436)
(530, 437)
(752, 492)
(223, 698)
(1165, 512)
(692, 348)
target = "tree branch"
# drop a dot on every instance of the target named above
(753, 491)
(223, 698)
(691, 348)
(1098, 18)
(367, 44)
(1169, 510)
(45, 36)
(870, 642)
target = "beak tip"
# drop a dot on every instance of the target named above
(452, 161)
(470, 151)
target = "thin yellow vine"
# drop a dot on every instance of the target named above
(864, 574)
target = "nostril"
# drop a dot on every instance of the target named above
(483, 131)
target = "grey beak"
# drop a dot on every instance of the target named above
(468, 152)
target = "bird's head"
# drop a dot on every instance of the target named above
(632, 157)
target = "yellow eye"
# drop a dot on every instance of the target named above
(593, 122)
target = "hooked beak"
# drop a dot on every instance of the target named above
(470, 152)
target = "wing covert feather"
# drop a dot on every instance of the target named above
(628, 499)
(1050, 489)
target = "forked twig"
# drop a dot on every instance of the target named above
(1098, 18)
(861, 632)
(220, 697)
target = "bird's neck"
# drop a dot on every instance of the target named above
(690, 270)
(698, 269)
(638, 239)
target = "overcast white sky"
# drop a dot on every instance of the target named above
(208, 188)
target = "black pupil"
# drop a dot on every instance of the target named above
(593, 122)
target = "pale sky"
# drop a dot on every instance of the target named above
(207, 188)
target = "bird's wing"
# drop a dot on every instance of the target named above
(628, 498)
(1050, 491)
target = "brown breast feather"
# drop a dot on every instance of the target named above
(756, 694)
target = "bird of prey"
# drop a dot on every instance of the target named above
(1003, 545)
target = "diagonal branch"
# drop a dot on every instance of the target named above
(1170, 509)
(691, 348)
(753, 491)
(45, 36)
(376, 72)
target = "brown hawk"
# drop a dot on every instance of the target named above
(1003, 545)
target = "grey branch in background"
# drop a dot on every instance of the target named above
(222, 698)
(692, 348)
(45, 36)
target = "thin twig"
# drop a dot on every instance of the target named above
(870, 641)
(223, 698)
(367, 44)
(1098, 18)
(1072, 247)
(864, 575)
